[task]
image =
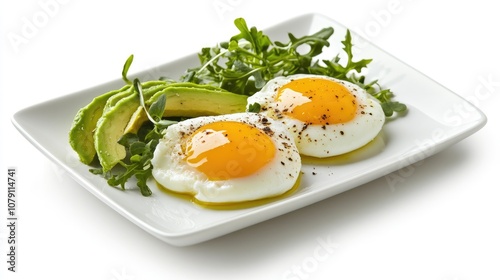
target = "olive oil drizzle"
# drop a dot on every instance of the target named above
(230, 205)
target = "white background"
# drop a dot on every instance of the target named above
(440, 223)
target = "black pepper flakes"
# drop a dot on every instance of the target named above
(268, 131)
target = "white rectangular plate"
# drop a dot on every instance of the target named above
(430, 125)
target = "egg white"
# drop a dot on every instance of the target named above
(332, 139)
(171, 170)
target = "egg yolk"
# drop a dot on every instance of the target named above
(229, 149)
(316, 101)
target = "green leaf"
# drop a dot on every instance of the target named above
(316, 41)
(387, 108)
(126, 66)
(254, 108)
(257, 39)
(351, 64)
(399, 107)
(259, 81)
(135, 158)
(142, 178)
(348, 45)
(137, 148)
(158, 107)
(393, 106)
(96, 171)
(127, 139)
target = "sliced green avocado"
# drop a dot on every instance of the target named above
(147, 86)
(117, 97)
(191, 100)
(81, 134)
(138, 118)
(110, 126)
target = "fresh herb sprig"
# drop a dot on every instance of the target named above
(250, 59)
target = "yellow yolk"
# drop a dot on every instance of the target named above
(228, 149)
(316, 101)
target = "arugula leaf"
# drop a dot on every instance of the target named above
(352, 65)
(257, 39)
(139, 164)
(254, 108)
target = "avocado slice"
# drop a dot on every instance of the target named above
(138, 118)
(111, 125)
(191, 100)
(117, 97)
(81, 134)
